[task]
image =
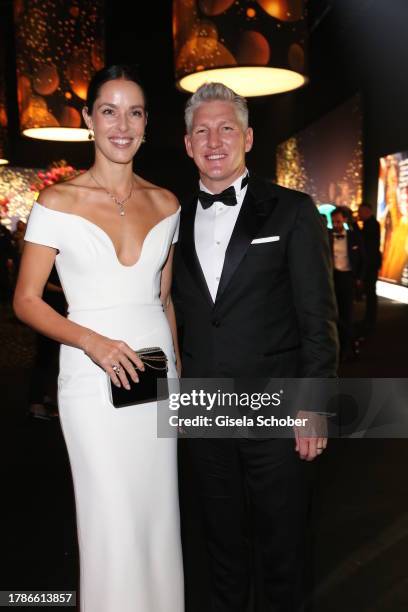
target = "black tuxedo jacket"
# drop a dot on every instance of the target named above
(274, 313)
(371, 241)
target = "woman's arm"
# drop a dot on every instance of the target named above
(35, 268)
(165, 296)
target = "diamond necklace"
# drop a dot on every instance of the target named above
(119, 203)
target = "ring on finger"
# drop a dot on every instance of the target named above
(116, 368)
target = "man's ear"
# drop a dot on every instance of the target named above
(87, 118)
(249, 139)
(189, 148)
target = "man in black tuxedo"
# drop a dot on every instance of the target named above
(253, 294)
(371, 242)
(348, 269)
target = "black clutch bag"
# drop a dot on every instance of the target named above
(146, 390)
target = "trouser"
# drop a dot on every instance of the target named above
(343, 286)
(370, 317)
(254, 494)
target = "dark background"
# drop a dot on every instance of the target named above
(355, 46)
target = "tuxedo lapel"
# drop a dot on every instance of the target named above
(257, 206)
(188, 250)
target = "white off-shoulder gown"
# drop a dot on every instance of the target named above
(125, 477)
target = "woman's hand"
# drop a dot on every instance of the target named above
(114, 356)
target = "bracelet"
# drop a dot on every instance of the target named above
(85, 341)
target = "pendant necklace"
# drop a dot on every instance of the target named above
(119, 203)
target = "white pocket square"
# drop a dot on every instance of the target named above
(266, 239)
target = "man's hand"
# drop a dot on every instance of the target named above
(311, 440)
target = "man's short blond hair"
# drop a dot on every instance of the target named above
(210, 92)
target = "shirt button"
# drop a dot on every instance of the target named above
(217, 242)
(216, 323)
(217, 278)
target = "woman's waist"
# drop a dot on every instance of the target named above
(78, 307)
(138, 325)
(126, 322)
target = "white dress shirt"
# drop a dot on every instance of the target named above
(212, 232)
(340, 254)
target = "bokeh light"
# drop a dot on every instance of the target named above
(59, 47)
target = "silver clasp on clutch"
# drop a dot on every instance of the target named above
(145, 352)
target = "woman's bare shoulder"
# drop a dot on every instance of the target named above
(167, 200)
(60, 196)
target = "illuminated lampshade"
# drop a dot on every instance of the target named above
(59, 46)
(3, 133)
(3, 157)
(256, 48)
(3, 107)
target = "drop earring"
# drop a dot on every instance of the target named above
(91, 135)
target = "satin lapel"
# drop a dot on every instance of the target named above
(251, 218)
(188, 250)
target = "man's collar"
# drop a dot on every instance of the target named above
(236, 184)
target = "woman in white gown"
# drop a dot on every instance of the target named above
(110, 233)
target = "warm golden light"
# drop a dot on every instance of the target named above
(284, 10)
(251, 49)
(58, 133)
(248, 80)
(59, 46)
(3, 106)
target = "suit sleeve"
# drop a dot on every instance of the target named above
(310, 268)
(377, 240)
(362, 255)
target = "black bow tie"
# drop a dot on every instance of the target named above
(339, 236)
(227, 197)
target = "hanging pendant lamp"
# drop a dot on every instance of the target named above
(255, 48)
(59, 46)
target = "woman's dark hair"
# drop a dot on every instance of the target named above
(111, 73)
